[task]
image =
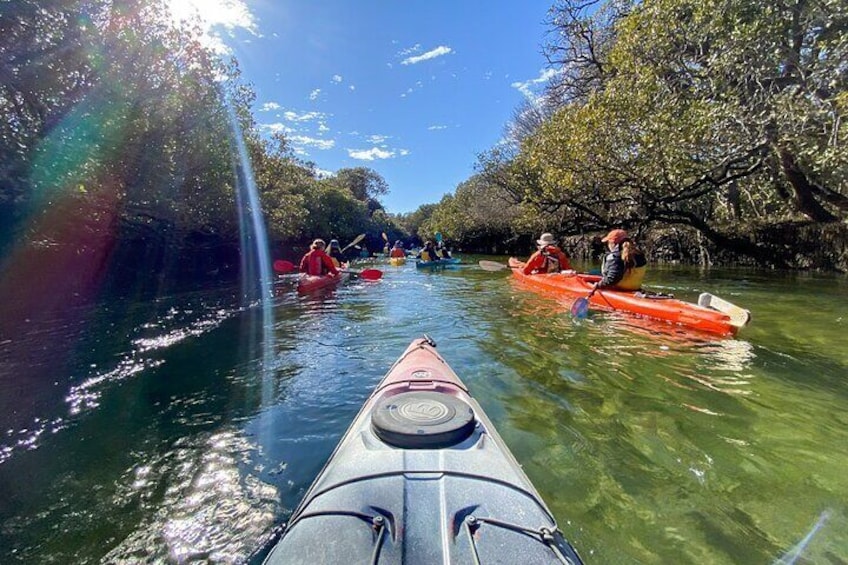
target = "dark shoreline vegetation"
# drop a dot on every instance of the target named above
(713, 131)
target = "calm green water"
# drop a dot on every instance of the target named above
(163, 432)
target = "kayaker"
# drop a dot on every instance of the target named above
(548, 258)
(336, 254)
(428, 254)
(442, 251)
(397, 250)
(625, 264)
(316, 262)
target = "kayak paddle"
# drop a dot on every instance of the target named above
(493, 266)
(283, 267)
(580, 308)
(356, 240)
(367, 274)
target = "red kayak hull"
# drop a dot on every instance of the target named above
(310, 283)
(670, 310)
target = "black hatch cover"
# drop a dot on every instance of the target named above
(422, 420)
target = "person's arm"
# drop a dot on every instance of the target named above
(534, 262)
(304, 264)
(328, 262)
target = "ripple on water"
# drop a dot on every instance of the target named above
(206, 507)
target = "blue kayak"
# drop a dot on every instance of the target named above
(420, 477)
(441, 263)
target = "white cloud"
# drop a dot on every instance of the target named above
(352, 87)
(324, 173)
(212, 15)
(322, 127)
(432, 54)
(318, 143)
(315, 94)
(370, 154)
(433, 128)
(337, 78)
(304, 117)
(410, 50)
(527, 87)
(277, 127)
(376, 139)
(404, 152)
(268, 106)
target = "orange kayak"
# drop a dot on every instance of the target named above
(659, 308)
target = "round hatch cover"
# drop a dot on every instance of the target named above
(430, 420)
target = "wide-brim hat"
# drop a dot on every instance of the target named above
(319, 243)
(546, 239)
(615, 236)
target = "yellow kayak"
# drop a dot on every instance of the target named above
(397, 261)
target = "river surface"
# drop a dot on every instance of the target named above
(174, 430)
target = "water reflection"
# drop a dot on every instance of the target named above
(207, 507)
(649, 443)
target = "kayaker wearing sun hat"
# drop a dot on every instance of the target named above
(548, 258)
(316, 262)
(625, 264)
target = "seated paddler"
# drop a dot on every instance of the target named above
(548, 258)
(625, 264)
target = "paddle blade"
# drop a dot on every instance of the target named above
(371, 274)
(580, 308)
(356, 240)
(492, 266)
(283, 267)
(385, 237)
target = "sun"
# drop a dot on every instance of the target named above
(214, 15)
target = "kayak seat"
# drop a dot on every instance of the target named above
(422, 420)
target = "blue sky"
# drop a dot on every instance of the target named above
(413, 90)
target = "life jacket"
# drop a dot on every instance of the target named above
(397, 252)
(551, 255)
(632, 279)
(314, 265)
(426, 257)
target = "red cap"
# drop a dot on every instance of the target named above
(615, 236)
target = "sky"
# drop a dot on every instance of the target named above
(412, 90)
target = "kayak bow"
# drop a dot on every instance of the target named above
(421, 477)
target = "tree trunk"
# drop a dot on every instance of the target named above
(803, 199)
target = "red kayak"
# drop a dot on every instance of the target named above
(636, 302)
(309, 283)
